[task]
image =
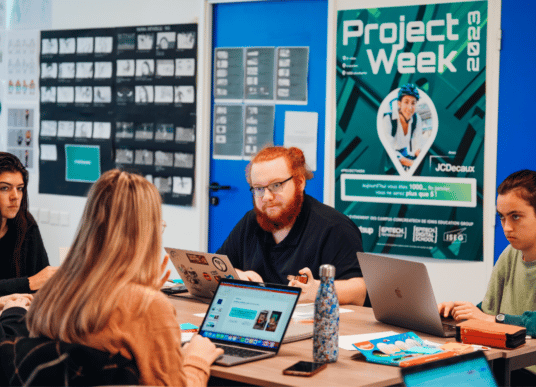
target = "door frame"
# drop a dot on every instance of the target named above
(205, 114)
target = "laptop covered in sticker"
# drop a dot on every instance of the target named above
(201, 272)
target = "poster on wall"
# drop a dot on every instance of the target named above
(410, 127)
(22, 65)
(30, 14)
(21, 134)
(119, 98)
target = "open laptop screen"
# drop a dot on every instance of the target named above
(250, 314)
(471, 369)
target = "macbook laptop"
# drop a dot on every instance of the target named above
(401, 294)
(471, 369)
(248, 319)
(201, 272)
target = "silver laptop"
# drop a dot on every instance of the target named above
(401, 294)
(301, 324)
(201, 272)
(248, 319)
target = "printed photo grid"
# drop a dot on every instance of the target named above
(130, 91)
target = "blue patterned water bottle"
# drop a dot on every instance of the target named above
(326, 329)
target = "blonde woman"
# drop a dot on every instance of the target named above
(105, 294)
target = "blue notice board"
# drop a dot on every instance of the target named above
(300, 23)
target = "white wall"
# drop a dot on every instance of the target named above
(186, 226)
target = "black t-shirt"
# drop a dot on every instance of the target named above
(33, 256)
(320, 235)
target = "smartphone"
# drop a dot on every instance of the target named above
(300, 278)
(174, 290)
(304, 368)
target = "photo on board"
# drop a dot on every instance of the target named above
(67, 45)
(65, 94)
(84, 45)
(49, 46)
(104, 44)
(102, 94)
(66, 129)
(165, 40)
(66, 70)
(145, 41)
(102, 130)
(103, 70)
(49, 70)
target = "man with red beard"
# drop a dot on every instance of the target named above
(289, 232)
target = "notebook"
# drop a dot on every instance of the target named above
(248, 319)
(201, 272)
(401, 294)
(471, 369)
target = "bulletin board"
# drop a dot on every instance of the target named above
(118, 98)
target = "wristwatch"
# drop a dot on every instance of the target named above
(499, 318)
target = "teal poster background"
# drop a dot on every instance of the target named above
(432, 208)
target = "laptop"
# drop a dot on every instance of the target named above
(471, 369)
(401, 294)
(248, 319)
(201, 272)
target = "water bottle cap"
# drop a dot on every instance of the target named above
(327, 271)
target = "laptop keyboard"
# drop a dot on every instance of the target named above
(239, 352)
(449, 328)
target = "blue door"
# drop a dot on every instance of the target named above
(268, 24)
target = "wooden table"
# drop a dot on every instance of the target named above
(351, 368)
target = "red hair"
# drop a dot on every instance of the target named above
(293, 156)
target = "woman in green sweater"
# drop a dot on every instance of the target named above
(510, 297)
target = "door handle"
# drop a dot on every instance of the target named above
(216, 187)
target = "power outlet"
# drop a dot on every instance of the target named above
(64, 219)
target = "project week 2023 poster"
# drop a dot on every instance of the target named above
(409, 167)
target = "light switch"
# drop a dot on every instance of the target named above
(44, 215)
(64, 219)
(54, 218)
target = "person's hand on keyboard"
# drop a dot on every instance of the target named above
(463, 310)
(445, 308)
(202, 347)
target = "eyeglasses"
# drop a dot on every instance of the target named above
(276, 187)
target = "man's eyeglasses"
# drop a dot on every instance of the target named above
(274, 188)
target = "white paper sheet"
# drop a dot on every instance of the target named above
(301, 130)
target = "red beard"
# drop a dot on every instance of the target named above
(287, 216)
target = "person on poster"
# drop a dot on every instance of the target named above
(289, 232)
(510, 298)
(24, 266)
(403, 126)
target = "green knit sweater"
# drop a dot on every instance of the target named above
(511, 290)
